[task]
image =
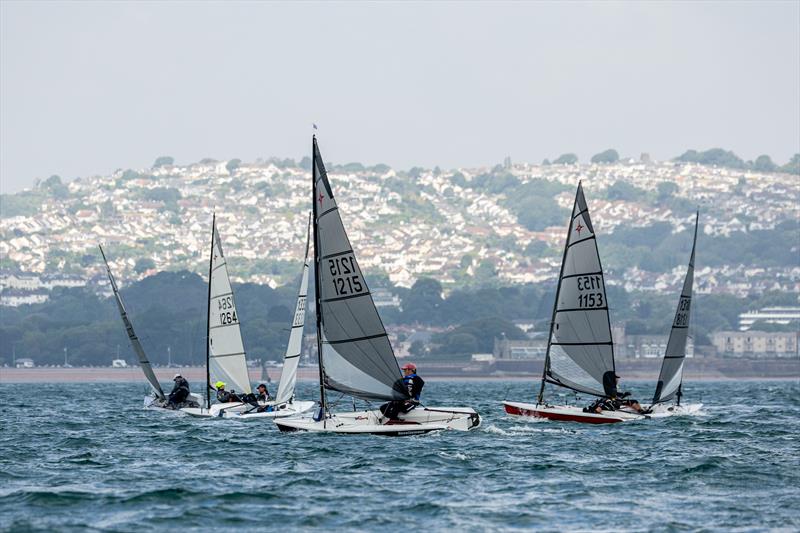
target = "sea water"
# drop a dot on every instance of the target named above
(87, 456)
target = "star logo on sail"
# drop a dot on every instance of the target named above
(321, 197)
(578, 228)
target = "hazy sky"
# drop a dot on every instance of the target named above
(89, 87)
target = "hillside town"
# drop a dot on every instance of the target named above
(407, 225)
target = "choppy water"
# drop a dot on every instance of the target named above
(74, 457)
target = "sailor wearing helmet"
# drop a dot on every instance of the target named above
(413, 384)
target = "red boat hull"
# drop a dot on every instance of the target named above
(560, 414)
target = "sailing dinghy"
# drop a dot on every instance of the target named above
(670, 379)
(157, 398)
(580, 350)
(355, 356)
(226, 360)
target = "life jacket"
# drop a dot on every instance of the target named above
(413, 384)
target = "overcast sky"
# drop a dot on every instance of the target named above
(89, 87)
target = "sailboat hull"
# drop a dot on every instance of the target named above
(569, 413)
(416, 422)
(245, 411)
(152, 402)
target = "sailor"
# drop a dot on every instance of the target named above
(179, 392)
(262, 394)
(224, 396)
(613, 399)
(413, 384)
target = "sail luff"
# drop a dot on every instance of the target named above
(208, 309)
(670, 377)
(317, 292)
(144, 362)
(291, 358)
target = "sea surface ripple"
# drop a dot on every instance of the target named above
(77, 457)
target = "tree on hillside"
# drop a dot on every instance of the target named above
(666, 189)
(715, 156)
(232, 165)
(143, 264)
(163, 161)
(763, 163)
(423, 302)
(608, 156)
(566, 159)
(793, 166)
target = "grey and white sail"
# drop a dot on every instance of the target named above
(226, 356)
(580, 351)
(671, 375)
(293, 350)
(144, 362)
(356, 356)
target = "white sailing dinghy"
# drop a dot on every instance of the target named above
(226, 359)
(284, 403)
(355, 356)
(670, 379)
(157, 399)
(580, 350)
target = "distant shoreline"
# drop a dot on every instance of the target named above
(134, 374)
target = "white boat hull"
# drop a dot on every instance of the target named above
(570, 413)
(245, 411)
(415, 422)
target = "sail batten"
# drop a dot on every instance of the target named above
(671, 375)
(580, 350)
(227, 360)
(356, 357)
(144, 362)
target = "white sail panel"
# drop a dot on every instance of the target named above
(357, 357)
(226, 360)
(144, 362)
(671, 375)
(581, 352)
(293, 350)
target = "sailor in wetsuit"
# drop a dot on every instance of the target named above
(224, 396)
(179, 392)
(411, 382)
(613, 400)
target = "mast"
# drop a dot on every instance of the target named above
(317, 288)
(555, 302)
(208, 314)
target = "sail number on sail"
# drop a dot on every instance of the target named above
(587, 285)
(682, 316)
(346, 280)
(226, 310)
(300, 312)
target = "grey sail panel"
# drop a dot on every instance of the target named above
(144, 362)
(226, 361)
(357, 357)
(581, 350)
(671, 375)
(291, 358)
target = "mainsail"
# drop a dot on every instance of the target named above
(671, 376)
(356, 356)
(144, 363)
(226, 357)
(292, 357)
(580, 352)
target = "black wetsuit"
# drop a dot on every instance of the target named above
(413, 384)
(224, 396)
(179, 392)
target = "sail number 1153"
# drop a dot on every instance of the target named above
(587, 285)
